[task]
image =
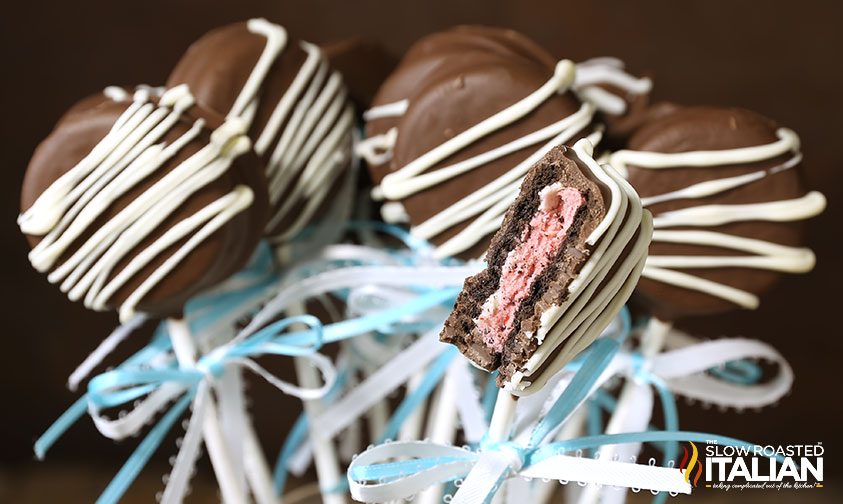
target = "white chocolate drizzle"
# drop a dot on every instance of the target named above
(394, 109)
(593, 73)
(487, 205)
(762, 254)
(131, 151)
(314, 147)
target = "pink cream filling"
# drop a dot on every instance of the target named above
(540, 243)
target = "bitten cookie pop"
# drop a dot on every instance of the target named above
(562, 265)
(455, 128)
(295, 106)
(726, 191)
(139, 202)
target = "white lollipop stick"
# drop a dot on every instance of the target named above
(500, 427)
(502, 417)
(325, 456)
(412, 427)
(377, 418)
(411, 430)
(443, 430)
(224, 467)
(543, 490)
(241, 437)
(255, 466)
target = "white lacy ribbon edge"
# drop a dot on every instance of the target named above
(437, 463)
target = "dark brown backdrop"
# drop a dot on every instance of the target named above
(780, 58)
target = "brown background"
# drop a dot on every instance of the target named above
(780, 58)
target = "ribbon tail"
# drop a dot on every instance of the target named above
(60, 426)
(103, 350)
(130, 470)
(296, 437)
(609, 473)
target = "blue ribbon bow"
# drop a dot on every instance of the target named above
(447, 464)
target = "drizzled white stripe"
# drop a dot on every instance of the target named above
(324, 166)
(562, 78)
(716, 186)
(394, 109)
(127, 155)
(276, 41)
(788, 142)
(493, 205)
(594, 72)
(768, 256)
(490, 202)
(310, 112)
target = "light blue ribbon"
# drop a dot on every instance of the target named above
(122, 386)
(589, 368)
(129, 382)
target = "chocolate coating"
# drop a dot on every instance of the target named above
(712, 128)
(449, 106)
(216, 258)
(445, 54)
(550, 288)
(452, 81)
(217, 66)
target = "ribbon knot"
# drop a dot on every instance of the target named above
(400, 470)
(126, 384)
(212, 366)
(641, 367)
(509, 452)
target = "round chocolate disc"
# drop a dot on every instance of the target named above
(298, 111)
(771, 179)
(213, 259)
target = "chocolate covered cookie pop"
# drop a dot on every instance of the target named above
(295, 106)
(139, 202)
(563, 263)
(455, 128)
(726, 192)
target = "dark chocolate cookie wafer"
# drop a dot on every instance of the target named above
(564, 261)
